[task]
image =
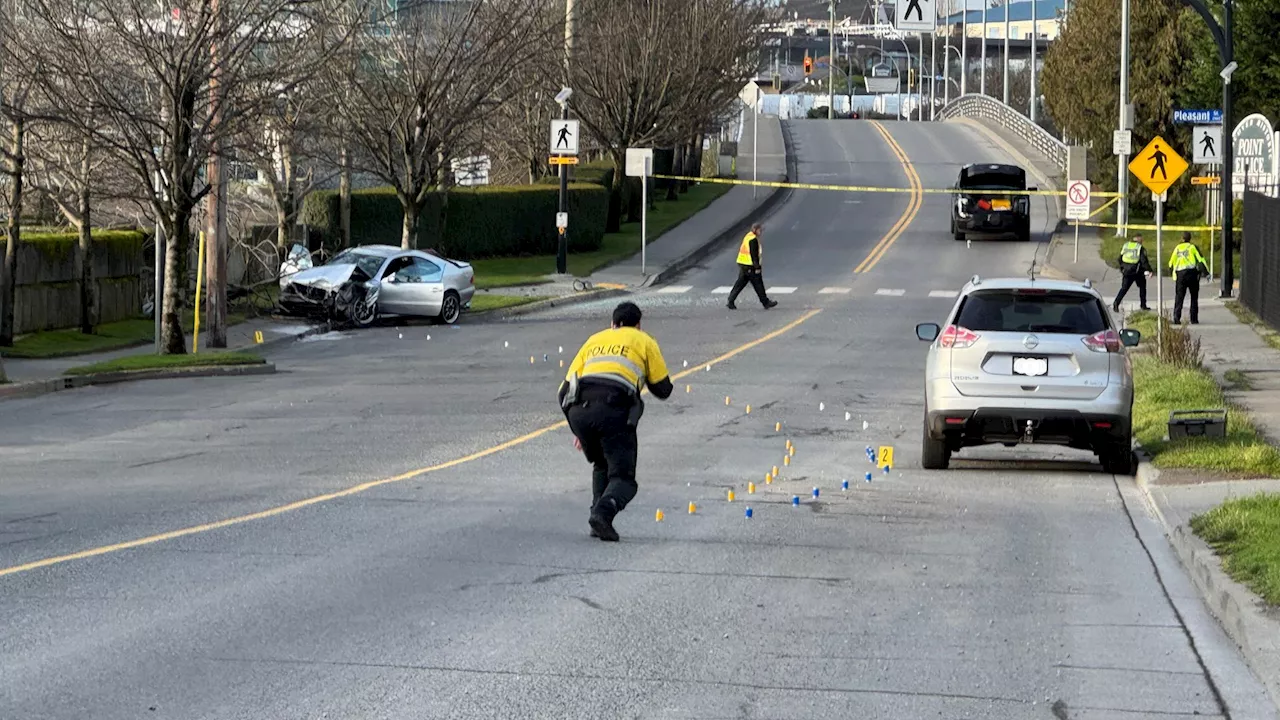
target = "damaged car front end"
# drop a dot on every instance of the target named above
(343, 290)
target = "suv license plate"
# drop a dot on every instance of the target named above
(1032, 366)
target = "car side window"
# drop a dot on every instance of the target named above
(395, 267)
(420, 271)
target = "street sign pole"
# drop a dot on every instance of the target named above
(562, 248)
(755, 145)
(644, 214)
(1122, 207)
(1159, 198)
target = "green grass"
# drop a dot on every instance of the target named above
(1162, 387)
(158, 362)
(487, 301)
(1237, 380)
(1245, 533)
(68, 342)
(510, 272)
(1144, 321)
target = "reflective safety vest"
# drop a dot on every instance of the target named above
(1185, 257)
(1131, 252)
(627, 356)
(744, 250)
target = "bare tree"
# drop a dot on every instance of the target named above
(143, 78)
(441, 69)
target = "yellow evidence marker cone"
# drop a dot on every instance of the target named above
(530, 359)
(777, 427)
(775, 471)
(730, 496)
(751, 488)
(786, 460)
(657, 517)
(748, 409)
(692, 508)
(791, 451)
(688, 388)
(768, 479)
(726, 399)
(561, 363)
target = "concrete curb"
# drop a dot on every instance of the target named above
(36, 388)
(562, 301)
(1238, 610)
(734, 232)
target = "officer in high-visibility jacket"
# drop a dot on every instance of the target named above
(749, 269)
(1187, 264)
(600, 397)
(1134, 268)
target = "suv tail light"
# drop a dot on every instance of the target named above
(1106, 341)
(954, 336)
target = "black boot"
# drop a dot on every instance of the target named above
(601, 521)
(770, 303)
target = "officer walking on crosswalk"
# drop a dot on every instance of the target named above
(749, 269)
(1134, 268)
(1188, 265)
(600, 397)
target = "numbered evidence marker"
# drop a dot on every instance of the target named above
(884, 456)
(257, 336)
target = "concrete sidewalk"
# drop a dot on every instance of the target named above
(686, 244)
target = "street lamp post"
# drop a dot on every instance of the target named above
(1005, 8)
(831, 64)
(982, 77)
(1035, 32)
(946, 88)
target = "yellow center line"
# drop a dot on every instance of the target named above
(355, 489)
(913, 207)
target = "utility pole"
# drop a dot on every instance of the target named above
(933, 72)
(831, 66)
(216, 252)
(1122, 164)
(1006, 51)
(982, 77)
(1035, 33)
(964, 48)
(562, 250)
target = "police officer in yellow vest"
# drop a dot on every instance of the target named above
(1134, 268)
(749, 269)
(1187, 264)
(600, 397)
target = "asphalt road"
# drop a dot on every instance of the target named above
(395, 526)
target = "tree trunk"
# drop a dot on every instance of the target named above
(344, 198)
(3, 378)
(690, 170)
(613, 221)
(282, 232)
(172, 341)
(677, 168)
(697, 156)
(13, 232)
(409, 231)
(88, 288)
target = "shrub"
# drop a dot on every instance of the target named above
(478, 222)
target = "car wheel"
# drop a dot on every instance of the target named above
(934, 454)
(958, 235)
(363, 313)
(1118, 461)
(450, 308)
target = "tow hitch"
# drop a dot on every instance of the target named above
(1028, 433)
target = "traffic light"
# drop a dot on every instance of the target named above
(808, 65)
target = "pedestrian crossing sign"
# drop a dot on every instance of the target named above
(1158, 166)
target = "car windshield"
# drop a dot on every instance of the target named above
(992, 181)
(1032, 311)
(365, 261)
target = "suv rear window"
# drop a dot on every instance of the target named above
(979, 180)
(1058, 311)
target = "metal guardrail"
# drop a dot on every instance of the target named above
(975, 105)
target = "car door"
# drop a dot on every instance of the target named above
(394, 292)
(419, 287)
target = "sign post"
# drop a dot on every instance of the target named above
(564, 142)
(640, 164)
(1158, 166)
(916, 16)
(1078, 192)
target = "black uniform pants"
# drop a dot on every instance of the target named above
(609, 442)
(1138, 279)
(1187, 281)
(748, 274)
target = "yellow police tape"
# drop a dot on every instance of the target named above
(863, 188)
(1131, 226)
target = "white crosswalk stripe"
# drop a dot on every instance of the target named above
(782, 290)
(834, 291)
(722, 290)
(887, 291)
(943, 293)
(672, 289)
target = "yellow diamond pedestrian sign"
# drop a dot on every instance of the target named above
(1158, 165)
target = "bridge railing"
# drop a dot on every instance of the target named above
(975, 105)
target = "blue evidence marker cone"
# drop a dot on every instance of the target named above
(886, 469)
(795, 501)
(844, 485)
(815, 493)
(868, 477)
(749, 513)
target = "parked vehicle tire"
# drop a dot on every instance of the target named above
(959, 236)
(934, 454)
(450, 308)
(1118, 461)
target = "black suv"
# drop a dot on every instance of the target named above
(975, 212)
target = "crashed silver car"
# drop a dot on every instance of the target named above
(362, 283)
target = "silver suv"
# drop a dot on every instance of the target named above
(1029, 361)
